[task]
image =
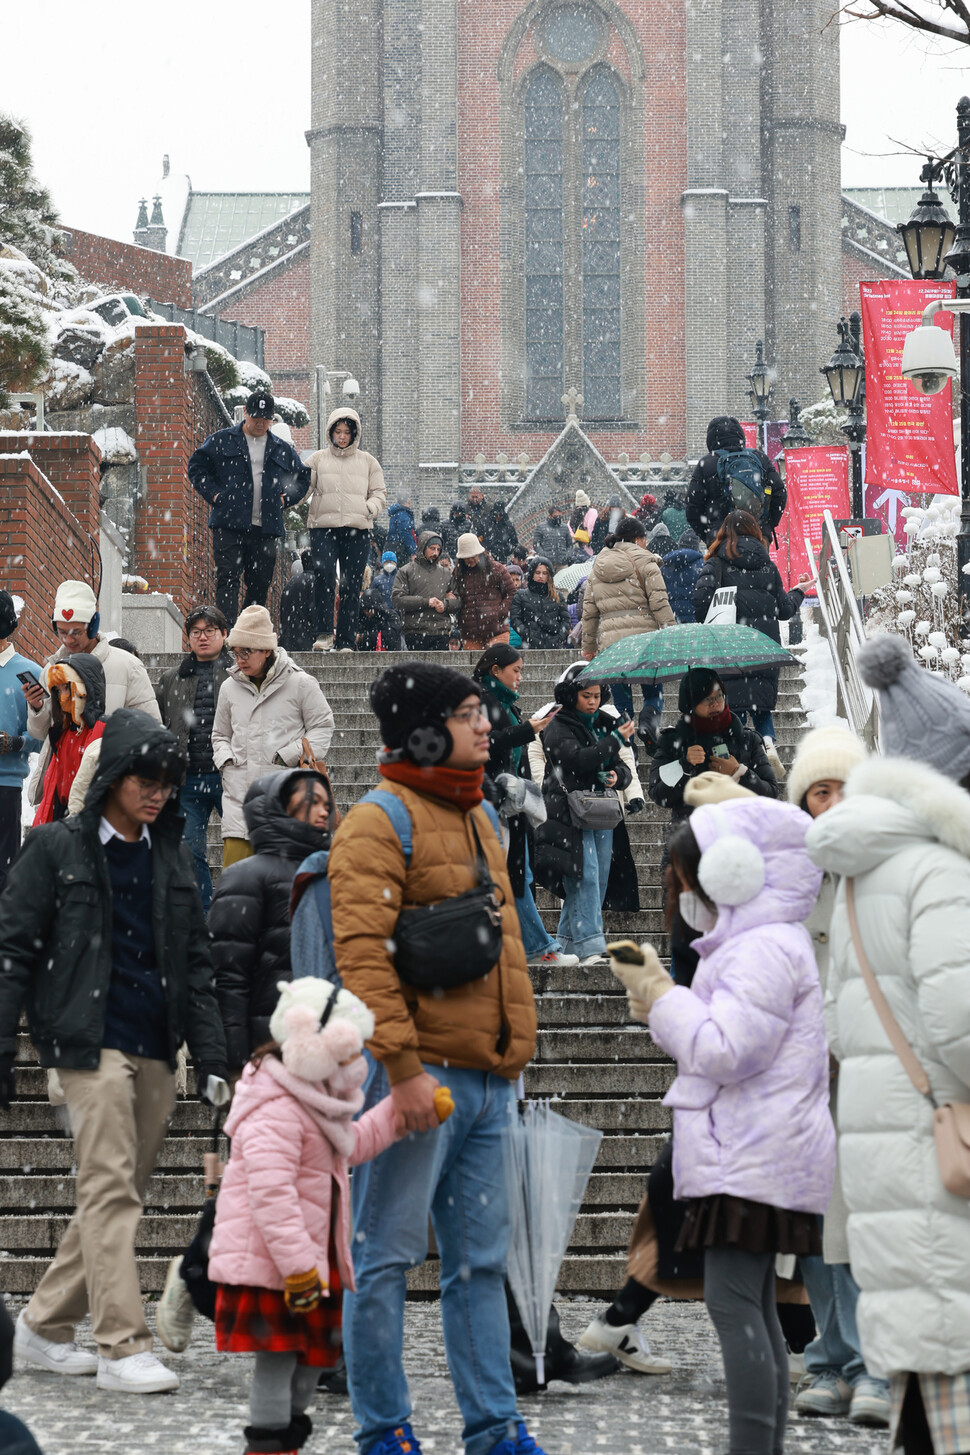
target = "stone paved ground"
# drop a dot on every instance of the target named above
(626, 1415)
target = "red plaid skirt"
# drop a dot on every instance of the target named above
(257, 1321)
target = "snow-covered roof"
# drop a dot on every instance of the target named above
(216, 223)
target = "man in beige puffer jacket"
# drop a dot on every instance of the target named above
(347, 494)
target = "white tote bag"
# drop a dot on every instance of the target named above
(723, 610)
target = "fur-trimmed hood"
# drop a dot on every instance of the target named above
(890, 804)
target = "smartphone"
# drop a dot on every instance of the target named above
(720, 750)
(548, 709)
(29, 680)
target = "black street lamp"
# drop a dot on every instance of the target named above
(928, 235)
(760, 390)
(796, 435)
(958, 258)
(845, 373)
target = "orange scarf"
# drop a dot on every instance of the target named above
(459, 786)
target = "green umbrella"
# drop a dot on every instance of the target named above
(650, 656)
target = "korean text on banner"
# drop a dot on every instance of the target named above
(909, 442)
(817, 479)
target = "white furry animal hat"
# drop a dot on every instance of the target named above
(921, 715)
(318, 1027)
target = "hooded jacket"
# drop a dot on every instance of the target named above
(553, 541)
(127, 684)
(540, 619)
(500, 536)
(485, 594)
(255, 726)
(670, 772)
(681, 568)
(903, 833)
(400, 532)
(292, 1144)
(751, 1097)
(249, 919)
(55, 925)
(346, 485)
(488, 1024)
(625, 594)
(68, 745)
(414, 586)
(221, 472)
(706, 503)
(377, 619)
(762, 602)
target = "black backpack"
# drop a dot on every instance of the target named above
(741, 474)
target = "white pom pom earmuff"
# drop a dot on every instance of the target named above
(731, 871)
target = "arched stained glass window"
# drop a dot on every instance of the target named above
(601, 248)
(544, 120)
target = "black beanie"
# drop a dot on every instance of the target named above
(8, 615)
(403, 697)
(695, 685)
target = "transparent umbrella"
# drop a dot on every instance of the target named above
(569, 577)
(548, 1160)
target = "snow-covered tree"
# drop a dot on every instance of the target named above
(947, 18)
(24, 345)
(28, 220)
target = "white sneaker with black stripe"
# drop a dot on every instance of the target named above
(626, 1343)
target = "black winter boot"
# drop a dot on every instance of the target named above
(563, 1360)
(268, 1440)
(301, 1428)
(334, 1381)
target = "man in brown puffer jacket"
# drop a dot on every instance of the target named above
(484, 590)
(475, 1037)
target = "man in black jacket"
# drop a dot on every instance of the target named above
(187, 701)
(104, 943)
(248, 475)
(708, 502)
(288, 815)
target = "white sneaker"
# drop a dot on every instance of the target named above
(136, 1374)
(176, 1311)
(777, 766)
(593, 960)
(626, 1344)
(323, 644)
(554, 957)
(31, 1348)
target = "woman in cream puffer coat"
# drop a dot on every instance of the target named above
(903, 833)
(625, 592)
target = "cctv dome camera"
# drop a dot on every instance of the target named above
(928, 359)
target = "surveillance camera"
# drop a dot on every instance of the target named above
(928, 359)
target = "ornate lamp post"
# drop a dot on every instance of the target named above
(929, 233)
(958, 258)
(796, 435)
(845, 374)
(760, 390)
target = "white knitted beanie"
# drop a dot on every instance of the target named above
(254, 628)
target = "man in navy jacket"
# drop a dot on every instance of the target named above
(248, 475)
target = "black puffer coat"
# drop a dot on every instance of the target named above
(508, 732)
(707, 503)
(540, 619)
(249, 919)
(741, 742)
(500, 537)
(56, 925)
(762, 602)
(574, 758)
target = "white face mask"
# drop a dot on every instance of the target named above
(694, 912)
(389, 566)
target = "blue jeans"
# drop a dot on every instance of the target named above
(761, 721)
(201, 793)
(653, 697)
(15, 1438)
(456, 1175)
(536, 939)
(580, 929)
(833, 1294)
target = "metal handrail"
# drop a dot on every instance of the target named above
(844, 630)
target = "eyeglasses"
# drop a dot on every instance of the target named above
(204, 631)
(470, 715)
(151, 788)
(716, 699)
(243, 654)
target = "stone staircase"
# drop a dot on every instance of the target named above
(606, 1072)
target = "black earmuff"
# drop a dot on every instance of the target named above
(429, 744)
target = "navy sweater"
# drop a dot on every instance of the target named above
(137, 1017)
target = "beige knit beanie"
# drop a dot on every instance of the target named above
(254, 628)
(827, 752)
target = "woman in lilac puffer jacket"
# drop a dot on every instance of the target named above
(754, 1145)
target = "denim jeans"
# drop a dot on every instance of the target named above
(761, 721)
(15, 1438)
(653, 697)
(536, 939)
(833, 1294)
(201, 793)
(580, 929)
(456, 1175)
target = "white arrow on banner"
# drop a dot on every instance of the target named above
(894, 500)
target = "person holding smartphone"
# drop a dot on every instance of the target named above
(16, 744)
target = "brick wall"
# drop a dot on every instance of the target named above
(280, 305)
(44, 541)
(126, 268)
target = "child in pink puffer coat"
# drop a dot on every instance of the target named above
(280, 1249)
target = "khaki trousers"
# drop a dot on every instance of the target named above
(119, 1116)
(233, 850)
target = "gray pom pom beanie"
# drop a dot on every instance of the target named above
(921, 715)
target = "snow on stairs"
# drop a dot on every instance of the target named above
(604, 1071)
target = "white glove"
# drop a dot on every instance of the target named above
(645, 978)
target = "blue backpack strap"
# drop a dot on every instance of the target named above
(490, 810)
(397, 813)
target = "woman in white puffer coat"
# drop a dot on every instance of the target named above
(903, 835)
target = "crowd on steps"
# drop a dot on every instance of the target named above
(355, 991)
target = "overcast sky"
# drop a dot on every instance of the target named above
(224, 89)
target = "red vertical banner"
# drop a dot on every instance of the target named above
(752, 432)
(909, 436)
(817, 479)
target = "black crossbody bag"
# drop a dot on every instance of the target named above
(442, 946)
